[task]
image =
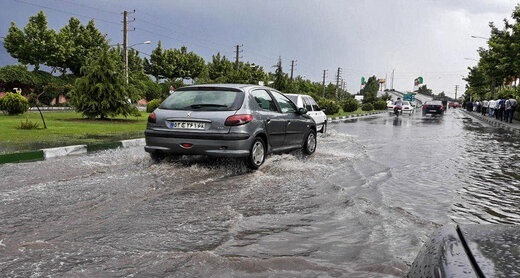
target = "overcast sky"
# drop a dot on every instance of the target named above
(428, 38)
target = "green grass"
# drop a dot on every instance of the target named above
(65, 128)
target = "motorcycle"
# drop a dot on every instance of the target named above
(398, 110)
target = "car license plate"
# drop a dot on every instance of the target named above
(186, 125)
(432, 110)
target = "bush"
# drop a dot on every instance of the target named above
(350, 105)
(14, 104)
(331, 107)
(380, 105)
(152, 105)
(367, 107)
(28, 124)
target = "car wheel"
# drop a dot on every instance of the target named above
(324, 128)
(256, 154)
(157, 156)
(309, 147)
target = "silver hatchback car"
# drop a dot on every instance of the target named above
(229, 120)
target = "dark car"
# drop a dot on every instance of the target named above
(433, 107)
(229, 120)
(463, 251)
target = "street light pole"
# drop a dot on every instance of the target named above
(126, 47)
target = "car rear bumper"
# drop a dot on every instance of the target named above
(185, 143)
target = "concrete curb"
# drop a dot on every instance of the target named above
(492, 121)
(48, 153)
(337, 119)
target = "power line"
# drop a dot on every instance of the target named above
(65, 12)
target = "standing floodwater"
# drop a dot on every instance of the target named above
(361, 206)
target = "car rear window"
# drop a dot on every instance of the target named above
(214, 99)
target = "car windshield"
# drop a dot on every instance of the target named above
(208, 100)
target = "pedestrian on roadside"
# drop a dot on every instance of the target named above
(510, 107)
(501, 109)
(484, 108)
(491, 109)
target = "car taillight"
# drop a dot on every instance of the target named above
(238, 119)
(442, 107)
(424, 106)
(152, 118)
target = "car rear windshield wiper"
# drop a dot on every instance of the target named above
(196, 106)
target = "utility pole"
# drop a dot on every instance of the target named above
(323, 84)
(392, 84)
(125, 42)
(456, 88)
(238, 51)
(338, 77)
(292, 68)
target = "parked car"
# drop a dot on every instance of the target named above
(433, 107)
(229, 120)
(313, 109)
(454, 104)
(390, 107)
(407, 107)
(473, 250)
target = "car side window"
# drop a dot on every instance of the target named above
(315, 106)
(307, 103)
(285, 104)
(264, 100)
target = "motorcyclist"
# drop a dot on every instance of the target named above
(398, 105)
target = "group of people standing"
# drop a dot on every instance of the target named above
(501, 109)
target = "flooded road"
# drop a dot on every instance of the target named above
(361, 206)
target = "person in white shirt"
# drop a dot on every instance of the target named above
(492, 103)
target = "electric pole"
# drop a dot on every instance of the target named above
(456, 88)
(125, 42)
(238, 51)
(323, 84)
(292, 68)
(338, 77)
(392, 84)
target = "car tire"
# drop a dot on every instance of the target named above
(309, 146)
(324, 128)
(157, 156)
(257, 154)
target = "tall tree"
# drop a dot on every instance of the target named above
(157, 63)
(36, 45)
(369, 92)
(102, 91)
(281, 79)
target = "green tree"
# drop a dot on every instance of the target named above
(369, 92)
(219, 68)
(157, 63)
(424, 90)
(102, 91)
(281, 79)
(36, 45)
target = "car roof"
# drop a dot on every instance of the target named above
(242, 87)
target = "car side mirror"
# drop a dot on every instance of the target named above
(302, 110)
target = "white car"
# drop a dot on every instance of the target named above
(407, 107)
(313, 110)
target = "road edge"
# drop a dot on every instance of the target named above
(49, 153)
